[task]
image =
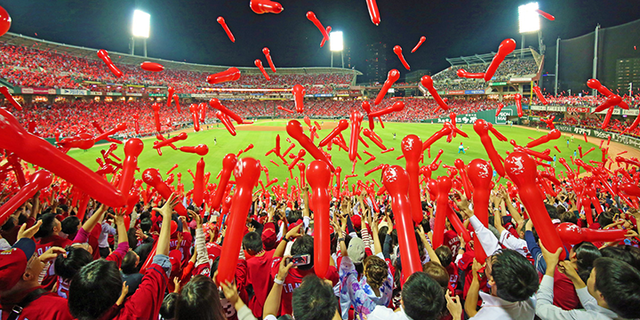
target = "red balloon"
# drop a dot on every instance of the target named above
(324, 39)
(572, 234)
(194, 115)
(132, 150)
(170, 141)
(458, 226)
(39, 180)
(215, 103)
(342, 125)
(258, 64)
(231, 74)
(546, 15)
(465, 179)
(412, 150)
(152, 66)
(482, 128)
(521, 169)
(552, 135)
(427, 82)
(170, 92)
(392, 77)
(267, 55)
(395, 107)
(318, 175)
(480, 174)
(298, 92)
(104, 55)
(506, 47)
(226, 29)
(356, 123)
(398, 51)
(198, 183)
(396, 182)
(228, 164)
(372, 5)
(156, 116)
(201, 149)
(7, 95)
(265, 6)
(500, 106)
(422, 40)
(464, 74)
(443, 186)
(301, 153)
(541, 97)
(312, 17)
(153, 178)
(5, 21)
(246, 173)
(294, 129)
(518, 99)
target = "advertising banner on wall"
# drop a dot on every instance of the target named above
(73, 92)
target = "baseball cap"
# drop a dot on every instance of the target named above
(356, 250)
(357, 221)
(269, 236)
(175, 257)
(13, 262)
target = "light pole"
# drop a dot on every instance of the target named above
(529, 21)
(140, 29)
(336, 43)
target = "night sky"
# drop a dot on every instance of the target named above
(187, 30)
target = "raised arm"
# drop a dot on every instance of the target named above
(165, 231)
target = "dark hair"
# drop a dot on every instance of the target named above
(145, 224)
(445, 255)
(437, 273)
(586, 254)
(313, 299)
(606, 218)
(252, 241)
(128, 265)
(382, 233)
(551, 211)
(132, 239)
(619, 284)
(618, 253)
(168, 307)
(94, 289)
(516, 278)
(70, 225)
(46, 229)
(67, 267)
(199, 299)
(294, 216)
(422, 297)
(376, 271)
(568, 216)
(421, 251)
(303, 245)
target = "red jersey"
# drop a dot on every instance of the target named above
(294, 279)
(214, 250)
(465, 264)
(48, 307)
(51, 241)
(184, 246)
(452, 269)
(146, 301)
(259, 276)
(452, 241)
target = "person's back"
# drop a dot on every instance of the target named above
(422, 298)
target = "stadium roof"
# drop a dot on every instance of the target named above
(487, 57)
(124, 58)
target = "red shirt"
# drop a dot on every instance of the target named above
(452, 241)
(259, 276)
(452, 269)
(146, 301)
(214, 250)
(184, 246)
(465, 264)
(293, 280)
(564, 293)
(48, 307)
(51, 241)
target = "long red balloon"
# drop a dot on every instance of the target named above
(506, 47)
(201, 149)
(198, 183)
(443, 186)
(342, 125)
(356, 123)
(412, 150)
(259, 65)
(521, 169)
(572, 234)
(226, 29)
(39, 180)
(422, 40)
(246, 172)
(104, 55)
(482, 128)
(8, 96)
(265, 6)
(132, 149)
(153, 178)
(312, 17)
(480, 174)
(398, 51)
(229, 162)
(427, 82)
(294, 129)
(372, 5)
(231, 74)
(396, 181)
(151, 66)
(298, 96)
(392, 76)
(318, 175)
(540, 96)
(267, 54)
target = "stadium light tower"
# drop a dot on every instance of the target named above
(529, 21)
(336, 44)
(140, 29)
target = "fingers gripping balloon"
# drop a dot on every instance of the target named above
(231, 74)
(228, 164)
(132, 150)
(226, 29)
(396, 182)
(427, 82)
(412, 150)
(480, 174)
(153, 178)
(104, 55)
(318, 175)
(541, 97)
(422, 40)
(392, 77)
(506, 47)
(35, 150)
(312, 17)
(356, 123)
(246, 172)
(372, 5)
(294, 129)
(572, 234)
(39, 180)
(342, 125)
(521, 169)
(8, 96)
(265, 6)
(398, 51)
(151, 66)
(298, 96)
(201, 149)
(267, 55)
(258, 64)
(482, 128)
(464, 74)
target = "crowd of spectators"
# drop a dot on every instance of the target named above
(448, 79)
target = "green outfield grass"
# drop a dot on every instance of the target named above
(263, 141)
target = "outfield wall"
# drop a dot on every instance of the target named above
(601, 134)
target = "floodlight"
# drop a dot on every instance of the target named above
(141, 21)
(335, 41)
(528, 17)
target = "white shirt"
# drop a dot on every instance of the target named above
(384, 313)
(498, 308)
